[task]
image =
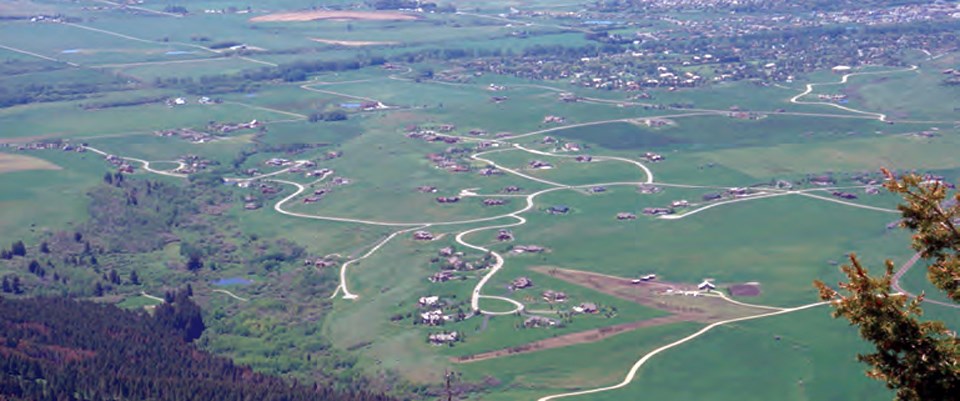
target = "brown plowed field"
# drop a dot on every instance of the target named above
(567, 340)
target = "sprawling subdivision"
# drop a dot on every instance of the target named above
(493, 200)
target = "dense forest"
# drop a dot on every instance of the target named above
(60, 349)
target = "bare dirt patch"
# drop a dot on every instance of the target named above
(745, 290)
(352, 43)
(10, 163)
(301, 16)
(566, 340)
(653, 294)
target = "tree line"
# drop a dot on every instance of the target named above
(58, 349)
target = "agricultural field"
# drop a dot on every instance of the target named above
(369, 196)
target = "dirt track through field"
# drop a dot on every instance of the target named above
(302, 16)
(566, 340)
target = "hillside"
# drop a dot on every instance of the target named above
(59, 349)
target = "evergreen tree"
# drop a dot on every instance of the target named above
(134, 278)
(34, 266)
(15, 285)
(18, 249)
(7, 288)
(98, 290)
(44, 247)
(194, 262)
(114, 277)
(918, 359)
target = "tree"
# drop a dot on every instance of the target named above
(34, 266)
(182, 315)
(134, 278)
(114, 277)
(18, 249)
(15, 285)
(194, 263)
(44, 247)
(918, 359)
(6, 285)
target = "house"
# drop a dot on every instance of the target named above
(447, 251)
(434, 317)
(626, 216)
(427, 189)
(558, 209)
(539, 164)
(644, 278)
(511, 189)
(490, 171)
(568, 97)
(549, 139)
(570, 147)
(429, 300)
(521, 282)
(657, 211)
(586, 307)
(872, 190)
(598, 189)
(448, 199)
(649, 189)
(443, 338)
(738, 191)
(583, 159)
(538, 321)
(251, 206)
(528, 249)
(554, 119)
(494, 202)
(440, 277)
(822, 180)
(653, 157)
(504, 235)
(706, 286)
(554, 296)
(841, 69)
(423, 236)
(680, 203)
